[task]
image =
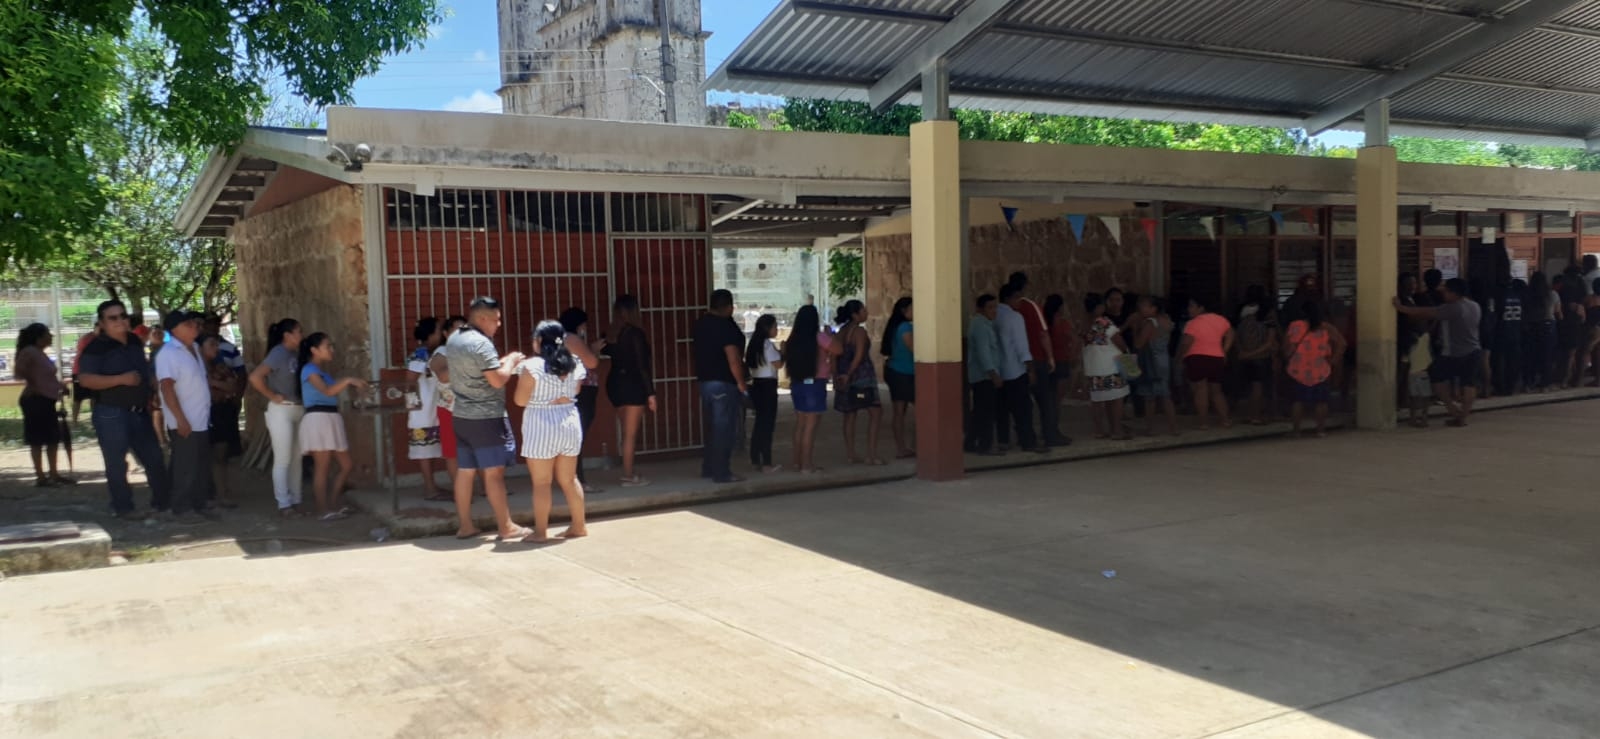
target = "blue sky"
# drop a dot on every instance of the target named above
(456, 70)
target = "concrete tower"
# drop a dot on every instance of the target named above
(601, 59)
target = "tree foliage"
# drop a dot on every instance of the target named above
(846, 276)
(60, 71)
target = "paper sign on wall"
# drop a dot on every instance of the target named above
(1447, 259)
(1519, 269)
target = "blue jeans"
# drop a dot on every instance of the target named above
(121, 430)
(721, 406)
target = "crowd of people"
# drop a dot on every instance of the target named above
(180, 386)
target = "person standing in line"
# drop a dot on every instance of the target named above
(41, 391)
(157, 340)
(1103, 345)
(484, 442)
(226, 387)
(1041, 377)
(1063, 344)
(1454, 369)
(445, 399)
(1310, 347)
(1207, 339)
(575, 321)
(983, 377)
(1508, 340)
(719, 368)
(277, 379)
(1415, 355)
(424, 444)
(1589, 344)
(763, 360)
(187, 395)
(808, 358)
(79, 392)
(116, 369)
(899, 372)
(322, 433)
(552, 426)
(630, 386)
(1015, 365)
(1257, 329)
(1591, 272)
(1541, 305)
(855, 389)
(1152, 341)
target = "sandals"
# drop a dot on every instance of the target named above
(634, 482)
(333, 516)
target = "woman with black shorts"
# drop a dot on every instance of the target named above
(41, 390)
(900, 373)
(629, 386)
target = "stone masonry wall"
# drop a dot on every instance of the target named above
(306, 261)
(1044, 249)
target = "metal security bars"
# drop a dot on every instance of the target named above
(539, 253)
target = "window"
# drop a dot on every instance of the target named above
(1344, 222)
(1441, 224)
(1302, 222)
(1243, 223)
(456, 210)
(1477, 222)
(656, 213)
(1557, 223)
(557, 212)
(1522, 223)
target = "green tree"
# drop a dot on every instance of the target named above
(59, 77)
(846, 276)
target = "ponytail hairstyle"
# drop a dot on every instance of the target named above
(896, 317)
(848, 311)
(755, 353)
(552, 338)
(311, 342)
(276, 331)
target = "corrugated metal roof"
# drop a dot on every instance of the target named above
(1270, 62)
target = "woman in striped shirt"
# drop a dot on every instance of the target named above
(552, 429)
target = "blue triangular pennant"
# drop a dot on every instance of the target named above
(1011, 216)
(1277, 219)
(1077, 221)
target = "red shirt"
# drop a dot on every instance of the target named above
(1038, 332)
(1061, 339)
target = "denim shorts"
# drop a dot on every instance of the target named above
(485, 443)
(809, 396)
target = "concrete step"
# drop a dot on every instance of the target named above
(31, 548)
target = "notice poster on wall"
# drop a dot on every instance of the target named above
(1519, 269)
(1447, 259)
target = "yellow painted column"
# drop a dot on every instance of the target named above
(1377, 271)
(936, 275)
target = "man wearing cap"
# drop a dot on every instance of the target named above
(115, 368)
(186, 400)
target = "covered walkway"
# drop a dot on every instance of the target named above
(1262, 589)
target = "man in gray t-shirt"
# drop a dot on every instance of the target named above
(1454, 372)
(484, 442)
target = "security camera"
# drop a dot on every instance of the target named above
(363, 153)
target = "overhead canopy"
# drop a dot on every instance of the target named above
(1514, 71)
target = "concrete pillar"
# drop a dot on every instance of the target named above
(936, 275)
(1377, 271)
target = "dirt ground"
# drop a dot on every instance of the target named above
(253, 528)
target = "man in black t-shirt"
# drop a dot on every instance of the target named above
(114, 366)
(719, 367)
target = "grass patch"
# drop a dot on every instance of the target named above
(142, 553)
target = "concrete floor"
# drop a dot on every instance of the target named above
(1418, 583)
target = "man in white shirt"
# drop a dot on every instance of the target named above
(186, 398)
(1015, 401)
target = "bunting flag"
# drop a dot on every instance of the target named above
(1149, 229)
(1210, 222)
(1277, 220)
(1077, 220)
(1114, 225)
(1308, 213)
(1011, 216)
(1243, 220)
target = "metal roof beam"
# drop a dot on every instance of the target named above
(734, 212)
(949, 40)
(1447, 57)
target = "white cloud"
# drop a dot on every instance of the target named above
(479, 56)
(478, 102)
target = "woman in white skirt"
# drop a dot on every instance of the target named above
(322, 429)
(552, 429)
